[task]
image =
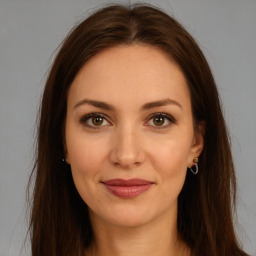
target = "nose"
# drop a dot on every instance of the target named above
(127, 148)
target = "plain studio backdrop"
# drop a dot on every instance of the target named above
(31, 30)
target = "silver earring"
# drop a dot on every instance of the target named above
(65, 161)
(195, 160)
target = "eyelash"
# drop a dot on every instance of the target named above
(167, 117)
(84, 119)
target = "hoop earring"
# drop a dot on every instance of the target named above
(195, 160)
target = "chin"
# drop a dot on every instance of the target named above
(131, 215)
(129, 221)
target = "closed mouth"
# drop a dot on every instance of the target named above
(127, 188)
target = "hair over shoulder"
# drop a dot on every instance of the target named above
(206, 205)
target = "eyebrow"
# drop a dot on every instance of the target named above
(161, 103)
(146, 106)
(95, 103)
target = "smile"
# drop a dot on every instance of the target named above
(127, 188)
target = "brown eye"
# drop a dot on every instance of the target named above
(97, 120)
(94, 120)
(159, 120)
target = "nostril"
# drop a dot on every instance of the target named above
(127, 151)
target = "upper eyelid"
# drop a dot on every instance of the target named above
(86, 117)
(89, 115)
(110, 120)
(168, 116)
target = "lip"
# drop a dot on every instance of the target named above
(127, 188)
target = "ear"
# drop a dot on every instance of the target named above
(198, 142)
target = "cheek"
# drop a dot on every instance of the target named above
(171, 166)
(85, 162)
(171, 158)
(85, 153)
(86, 156)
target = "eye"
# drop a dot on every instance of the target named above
(160, 120)
(94, 120)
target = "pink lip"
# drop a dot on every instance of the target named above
(127, 188)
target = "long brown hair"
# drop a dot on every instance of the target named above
(59, 224)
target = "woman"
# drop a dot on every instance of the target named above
(133, 155)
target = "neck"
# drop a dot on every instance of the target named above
(158, 238)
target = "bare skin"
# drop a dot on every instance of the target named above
(153, 239)
(129, 117)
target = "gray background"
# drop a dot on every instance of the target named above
(30, 31)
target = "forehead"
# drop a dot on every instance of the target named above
(130, 73)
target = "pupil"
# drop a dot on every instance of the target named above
(159, 121)
(97, 120)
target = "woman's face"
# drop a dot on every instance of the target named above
(129, 135)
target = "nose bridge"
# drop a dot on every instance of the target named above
(127, 149)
